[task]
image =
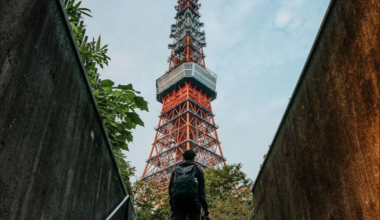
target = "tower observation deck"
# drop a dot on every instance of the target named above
(186, 91)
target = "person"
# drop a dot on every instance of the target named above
(187, 190)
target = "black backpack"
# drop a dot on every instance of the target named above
(185, 183)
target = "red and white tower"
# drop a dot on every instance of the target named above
(186, 91)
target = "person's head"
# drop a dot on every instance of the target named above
(189, 155)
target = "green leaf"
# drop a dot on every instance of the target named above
(77, 5)
(129, 138)
(104, 47)
(87, 14)
(106, 83)
(74, 27)
(124, 131)
(124, 146)
(129, 124)
(71, 4)
(141, 103)
(135, 118)
(98, 44)
(84, 9)
(121, 138)
(125, 87)
(107, 90)
(131, 95)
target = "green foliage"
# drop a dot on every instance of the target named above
(117, 107)
(227, 192)
(126, 170)
(117, 104)
(74, 12)
(150, 201)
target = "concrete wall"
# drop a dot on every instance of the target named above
(55, 159)
(324, 160)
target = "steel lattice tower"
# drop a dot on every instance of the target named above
(186, 91)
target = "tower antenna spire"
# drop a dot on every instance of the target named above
(188, 39)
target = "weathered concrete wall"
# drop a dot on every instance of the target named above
(324, 160)
(55, 161)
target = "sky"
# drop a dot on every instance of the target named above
(256, 47)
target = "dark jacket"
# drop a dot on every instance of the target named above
(195, 204)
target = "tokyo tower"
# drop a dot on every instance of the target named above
(186, 91)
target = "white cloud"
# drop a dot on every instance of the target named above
(282, 18)
(287, 14)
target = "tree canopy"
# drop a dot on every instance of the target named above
(151, 202)
(227, 192)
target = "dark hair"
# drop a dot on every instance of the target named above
(189, 155)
